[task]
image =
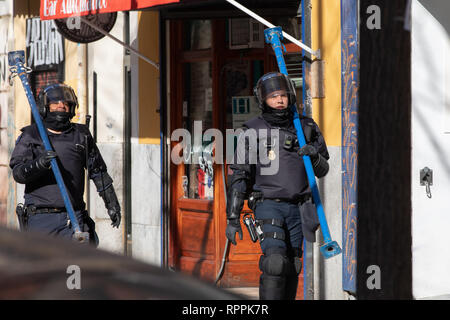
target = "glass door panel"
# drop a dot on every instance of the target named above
(197, 118)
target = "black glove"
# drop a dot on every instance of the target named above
(233, 226)
(308, 150)
(112, 204)
(44, 160)
(320, 164)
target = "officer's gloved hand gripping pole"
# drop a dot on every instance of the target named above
(274, 36)
(16, 61)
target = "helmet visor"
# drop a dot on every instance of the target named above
(273, 83)
(58, 93)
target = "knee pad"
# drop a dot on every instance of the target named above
(274, 262)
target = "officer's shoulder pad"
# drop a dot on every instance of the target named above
(307, 120)
(26, 128)
(303, 117)
(80, 127)
(31, 129)
(29, 133)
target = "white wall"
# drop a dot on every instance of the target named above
(105, 57)
(431, 146)
(145, 174)
(328, 272)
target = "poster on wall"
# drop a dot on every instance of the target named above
(44, 45)
(44, 53)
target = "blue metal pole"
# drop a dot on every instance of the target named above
(16, 60)
(274, 36)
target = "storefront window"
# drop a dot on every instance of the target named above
(239, 78)
(197, 118)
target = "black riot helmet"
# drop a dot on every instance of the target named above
(55, 93)
(270, 82)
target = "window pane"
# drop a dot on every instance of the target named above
(197, 34)
(239, 78)
(198, 114)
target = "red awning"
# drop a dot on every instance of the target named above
(57, 9)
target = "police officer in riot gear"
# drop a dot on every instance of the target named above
(31, 165)
(281, 200)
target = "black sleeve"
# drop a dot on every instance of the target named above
(241, 181)
(22, 154)
(97, 169)
(321, 166)
(317, 140)
(96, 165)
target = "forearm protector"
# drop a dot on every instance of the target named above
(235, 204)
(103, 183)
(321, 166)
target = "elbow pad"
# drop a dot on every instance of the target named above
(235, 204)
(321, 166)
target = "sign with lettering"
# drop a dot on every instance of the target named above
(57, 9)
(75, 30)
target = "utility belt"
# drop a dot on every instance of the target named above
(254, 226)
(23, 212)
(256, 196)
(37, 210)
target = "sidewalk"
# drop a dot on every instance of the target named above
(251, 293)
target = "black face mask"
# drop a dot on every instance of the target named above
(59, 121)
(278, 117)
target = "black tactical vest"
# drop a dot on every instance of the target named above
(290, 180)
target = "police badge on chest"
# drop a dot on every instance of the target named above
(269, 145)
(271, 155)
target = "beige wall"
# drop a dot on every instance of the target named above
(326, 36)
(148, 39)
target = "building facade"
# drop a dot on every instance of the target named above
(209, 57)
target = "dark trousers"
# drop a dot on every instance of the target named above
(58, 224)
(284, 285)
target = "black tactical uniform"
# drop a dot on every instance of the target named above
(30, 162)
(278, 194)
